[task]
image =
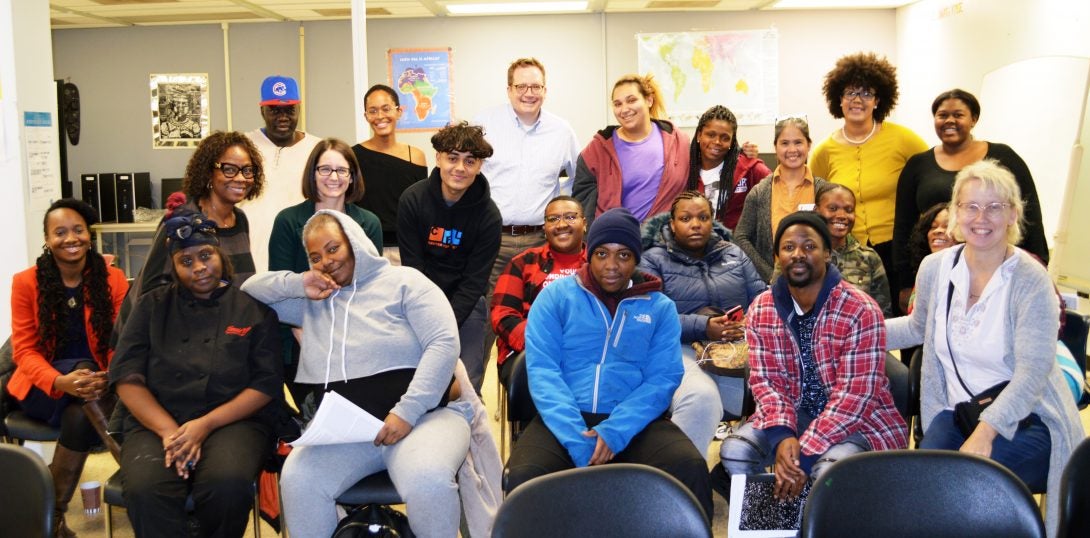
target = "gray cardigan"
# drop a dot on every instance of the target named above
(754, 230)
(1037, 385)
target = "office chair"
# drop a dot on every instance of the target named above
(17, 426)
(911, 493)
(900, 386)
(1075, 493)
(26, 499)
(619, 499)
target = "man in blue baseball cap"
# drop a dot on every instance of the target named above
(284, 150)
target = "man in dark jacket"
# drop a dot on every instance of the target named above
(449, 229)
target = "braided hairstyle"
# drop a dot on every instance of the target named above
(52, 297)
(730, 160)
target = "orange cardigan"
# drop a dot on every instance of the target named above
(32, 368)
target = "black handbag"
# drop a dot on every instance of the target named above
(373, 520)
(967, 413)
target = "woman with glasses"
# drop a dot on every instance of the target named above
(790, 188)
(928, 177)
(388, 167)
(866, 153)
(331, 180)
(986, 314)
(641, 164)
(225, 169)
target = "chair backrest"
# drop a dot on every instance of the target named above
(520, 406)
(900, 385)
(911, 493)
(1075, 493)
(618, 499)
(26, 497)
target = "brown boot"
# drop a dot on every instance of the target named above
(98, 413)
(66, 469)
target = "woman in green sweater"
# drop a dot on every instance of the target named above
(331, 180)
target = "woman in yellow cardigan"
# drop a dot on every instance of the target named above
(867, 153)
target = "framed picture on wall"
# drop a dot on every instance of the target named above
(179, 109)
(423, 78)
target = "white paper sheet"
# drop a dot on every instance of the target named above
(339, 421)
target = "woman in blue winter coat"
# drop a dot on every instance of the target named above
(701, 268)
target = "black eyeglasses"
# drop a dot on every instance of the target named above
(325, 171)
(865, 95)
(231, 170)
(534, 89)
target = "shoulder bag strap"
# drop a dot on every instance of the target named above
(949, 296)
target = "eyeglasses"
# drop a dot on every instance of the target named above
(326, 171)
(231, 170)
(386, 110)
(973, 210)
(570, 218)
(534, 89)
(865, 95)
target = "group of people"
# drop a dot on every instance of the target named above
(327, 267)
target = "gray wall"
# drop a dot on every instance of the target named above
(583, 54)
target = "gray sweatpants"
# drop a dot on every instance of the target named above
(423, 467)
(696, 407)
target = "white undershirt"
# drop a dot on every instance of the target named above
(710, 178)
(978, 336)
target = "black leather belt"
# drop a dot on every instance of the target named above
(521, 229)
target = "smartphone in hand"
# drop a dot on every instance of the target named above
(735, 314)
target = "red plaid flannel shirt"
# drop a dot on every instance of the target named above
(516, 288)
(850, 355)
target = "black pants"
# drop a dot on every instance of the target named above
(222, 482)
(885, 252)
(661, 445)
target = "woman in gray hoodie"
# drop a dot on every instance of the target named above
(385, 338)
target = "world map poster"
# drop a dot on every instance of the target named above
(696, 70)
(422, 78)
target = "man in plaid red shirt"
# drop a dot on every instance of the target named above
(530, 271)
(817, 356)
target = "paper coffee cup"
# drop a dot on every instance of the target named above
(92, 497)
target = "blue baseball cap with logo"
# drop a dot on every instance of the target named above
(279, 90)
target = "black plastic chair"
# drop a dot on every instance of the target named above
(26, 499)
(17, 427)
(912, 493)
(1075, 494)
(371, 489)
(619, 499)
(520, 405)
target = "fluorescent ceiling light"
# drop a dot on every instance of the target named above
(515, 7)
(839, 4)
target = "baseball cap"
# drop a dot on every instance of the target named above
(279, 90)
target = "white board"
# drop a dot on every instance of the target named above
(1071, 259)
(1035, 106)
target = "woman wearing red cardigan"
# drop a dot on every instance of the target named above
(62, 312)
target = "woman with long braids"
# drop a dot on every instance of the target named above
(62, 313)
(720, 167)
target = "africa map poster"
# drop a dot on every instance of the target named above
(422, 78)
(695, 70)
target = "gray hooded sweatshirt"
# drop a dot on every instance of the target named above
(388, 318)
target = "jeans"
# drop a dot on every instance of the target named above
(747, 450)
(1026, 455)
(472, 336)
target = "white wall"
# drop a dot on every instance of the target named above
(943, 45)
(583, 55)
(26, 84)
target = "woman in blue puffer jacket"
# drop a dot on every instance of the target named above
(701, 268)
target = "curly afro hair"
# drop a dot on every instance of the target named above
(198, 173)
(863, 70)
